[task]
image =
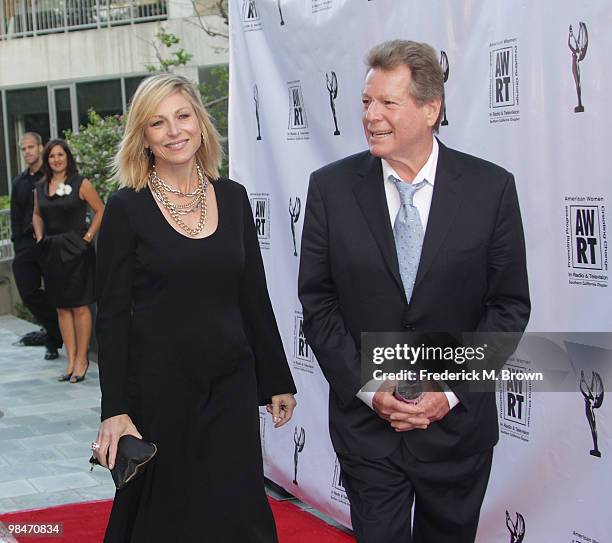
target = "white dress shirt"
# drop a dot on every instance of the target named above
(422, 201)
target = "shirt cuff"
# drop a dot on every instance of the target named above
(450, 395)
(366, 397)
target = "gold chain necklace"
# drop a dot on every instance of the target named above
(160, 190)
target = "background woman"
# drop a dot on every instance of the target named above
(188, 342)
(59, 220)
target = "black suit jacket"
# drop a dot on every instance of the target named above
(471, 277)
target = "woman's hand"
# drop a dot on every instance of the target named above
(281, 409)
(109, 433)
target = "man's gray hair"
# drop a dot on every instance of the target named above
(34, 135)
(427, 79)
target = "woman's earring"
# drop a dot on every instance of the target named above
(203, 138)
(147, 152)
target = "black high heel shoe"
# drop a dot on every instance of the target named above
(78, 378)
(64, 377)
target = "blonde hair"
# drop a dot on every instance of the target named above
(132, 164)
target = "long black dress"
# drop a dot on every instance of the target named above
(188, 347)
(68, 261)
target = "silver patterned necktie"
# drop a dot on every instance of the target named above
(408, 233)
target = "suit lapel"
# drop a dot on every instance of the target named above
(444, 205)
(371, 198)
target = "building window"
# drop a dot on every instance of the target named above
(27, 111)
(102, 96)
(131, 84)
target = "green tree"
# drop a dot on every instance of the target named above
(94, 147)
(167, 60)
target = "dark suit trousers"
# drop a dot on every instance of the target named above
(447, 496)
(28, 276)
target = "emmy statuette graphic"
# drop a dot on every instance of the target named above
(445, 71)
(256, 100)
(578, 47)
(294, 212)
(516, 529)
(299, 438)
(593, 398)
(332, 88)
(280, 12)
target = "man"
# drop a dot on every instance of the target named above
(448, 257)
(26, 267)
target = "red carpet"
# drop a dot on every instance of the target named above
(85, 523)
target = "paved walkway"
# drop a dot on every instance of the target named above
(46, 428)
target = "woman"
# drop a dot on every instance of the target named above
(59, 220)
(188, 342)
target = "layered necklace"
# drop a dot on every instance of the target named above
(195, 200)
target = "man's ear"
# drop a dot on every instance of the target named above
(432, 111)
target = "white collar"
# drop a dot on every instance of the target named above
(427, 172)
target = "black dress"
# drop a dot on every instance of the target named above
(188, 347)
(68, 261)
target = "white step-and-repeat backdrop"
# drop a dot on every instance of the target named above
(528, 86)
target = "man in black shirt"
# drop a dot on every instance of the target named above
(26, 267)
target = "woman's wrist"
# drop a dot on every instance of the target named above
(88, 236)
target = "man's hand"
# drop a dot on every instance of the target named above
(402, 416)
(432, 405)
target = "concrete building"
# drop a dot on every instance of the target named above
(59, 58)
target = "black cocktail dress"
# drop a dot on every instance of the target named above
(68, 261)
(188, 347)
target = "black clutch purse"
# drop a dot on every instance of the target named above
(133, 455)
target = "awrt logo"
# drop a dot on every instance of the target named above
(251, 19)
(515, 403)
(297, 113)
(302, 355)
(515, 408)
(298, 122)
(586, 241)
(504, 91)
(586, 237)
(260, 204)
(338, 492)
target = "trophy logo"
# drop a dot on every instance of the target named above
(332, 88)
(262, 427)
(445, 71)
(249, 11)
(299, 438)
(578, 47)
(593, 393)
(280, 12)
(294, 214)
(297, 113)
(256, 100)
(516, 529)
(338, 483)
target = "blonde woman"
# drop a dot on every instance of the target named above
(188, 342)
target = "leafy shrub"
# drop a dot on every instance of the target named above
(94, 148)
